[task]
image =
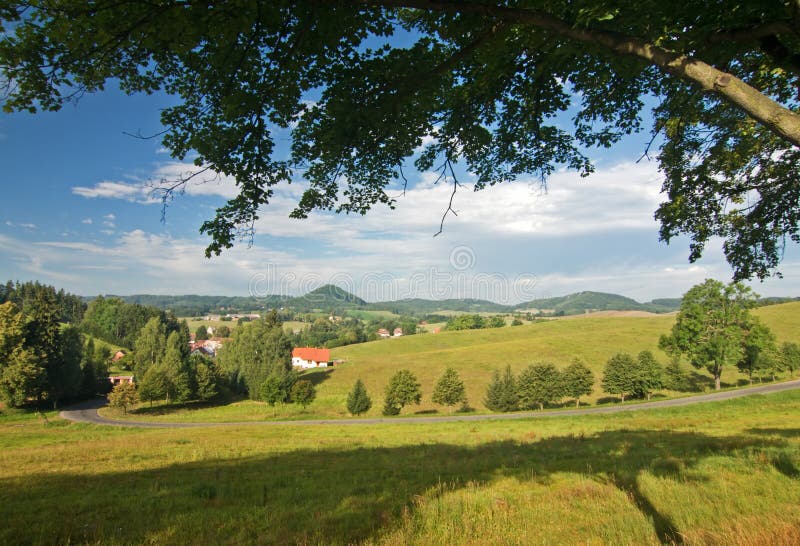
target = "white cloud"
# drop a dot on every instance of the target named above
(596, 233)
(136, 193)
(151, 190)
(86, 221)
(27, 225)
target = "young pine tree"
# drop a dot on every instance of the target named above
(501, 394)
(358, 401)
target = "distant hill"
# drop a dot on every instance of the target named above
(330, 298)
(580, 302)
(193, 305)
(417, 306)
(325, 297)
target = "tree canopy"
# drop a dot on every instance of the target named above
(711, 326)
(363, 86)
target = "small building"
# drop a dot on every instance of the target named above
(383, 332)
(119, 355)
(397, 332)
(120, 379)
(308, 357)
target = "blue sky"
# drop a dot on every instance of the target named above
(76, 213)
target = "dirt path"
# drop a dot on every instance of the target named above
(87, 412)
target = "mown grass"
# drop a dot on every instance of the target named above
(722, 473)
(475, 354)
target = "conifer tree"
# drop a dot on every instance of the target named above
(358, 401)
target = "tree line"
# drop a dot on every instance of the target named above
(43, 361)
(25, 295)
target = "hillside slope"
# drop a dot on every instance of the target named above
(476, 353)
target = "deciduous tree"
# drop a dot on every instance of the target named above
(759, 350)
(789, 357)
(302, 392)
(449, 389)
(711, 325)
(403, 389)
(538, 385)
(577, 380)
(618, 375)
(123, 396)
(648, 376)
(483, 83)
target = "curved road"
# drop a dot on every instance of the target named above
(87, 412)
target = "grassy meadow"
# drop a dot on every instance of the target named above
(721, 473)
(475, 354)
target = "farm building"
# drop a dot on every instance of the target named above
(308, 357)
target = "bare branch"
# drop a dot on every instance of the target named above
(448, 166)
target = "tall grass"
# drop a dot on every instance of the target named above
(723, 473)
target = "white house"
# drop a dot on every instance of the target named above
(308, 357)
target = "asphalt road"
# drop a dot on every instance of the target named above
(86, 412)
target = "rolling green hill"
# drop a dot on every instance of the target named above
(332, 298)
(580, 302)
(475, 354)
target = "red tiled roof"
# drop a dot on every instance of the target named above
(311, 354)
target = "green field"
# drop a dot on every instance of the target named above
(194, 324)
(721, 473)
(475, 354)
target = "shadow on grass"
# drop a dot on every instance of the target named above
(785, 432)
(332, 496)
(317, 376)
(163, 408)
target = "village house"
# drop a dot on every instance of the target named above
(308, 357)
(383, 332)
(398, 332)
(120, 379)
(205, 347)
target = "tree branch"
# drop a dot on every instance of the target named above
(780, 120)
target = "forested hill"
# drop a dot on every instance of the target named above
(192, 305)
(70, 308)
(332, 298)
(581, 302)
(421, 306)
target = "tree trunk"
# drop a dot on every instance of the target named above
(622, 396)
(717, 383)
(777, 118)
(541, 406)
(649, 394)
(577, 402)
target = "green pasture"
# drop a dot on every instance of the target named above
(718, 473)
